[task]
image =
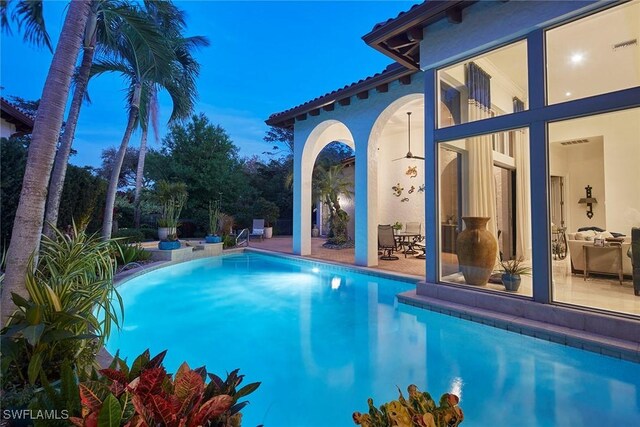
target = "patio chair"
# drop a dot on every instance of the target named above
(387, 242)
(258, 229)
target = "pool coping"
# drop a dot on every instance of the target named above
(345, 267)
(570, 336)
(559, 334)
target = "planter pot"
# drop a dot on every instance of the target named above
(315, 232)
(164, 232)
(213, 239)
(476, 249)
(169, 246)
(268, 232)
(511, 282)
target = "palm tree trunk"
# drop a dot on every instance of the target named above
(140, 173)
(62, 156)
(27, 225)
(112, 189)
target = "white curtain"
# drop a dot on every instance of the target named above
(523, 197)
(482, 187)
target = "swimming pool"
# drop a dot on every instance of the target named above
(322, 339)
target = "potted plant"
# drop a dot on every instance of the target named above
(214, 222)
(169, 243)
(511, 270)
(171, 198)
(397, 226)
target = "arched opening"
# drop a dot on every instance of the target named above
(327, 132)
(396, 180)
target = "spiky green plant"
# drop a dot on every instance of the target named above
(214, 217)
(71, 309)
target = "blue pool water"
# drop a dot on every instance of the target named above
(322, 340)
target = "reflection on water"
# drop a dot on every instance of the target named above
(322, 341)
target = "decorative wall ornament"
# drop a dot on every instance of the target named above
(412, 171)
(589, 201)
(421, 189)
(397, 190)
(406, 199)
(412, 189)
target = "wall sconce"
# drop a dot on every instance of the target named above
(589, 201)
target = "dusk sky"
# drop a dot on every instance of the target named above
(264, 57)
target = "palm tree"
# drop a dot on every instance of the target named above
(143, 73)
(181, 85)
(27, 225)
(329, 184)
(106, 20)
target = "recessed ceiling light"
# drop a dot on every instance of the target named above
(567, 94)
(577, 58)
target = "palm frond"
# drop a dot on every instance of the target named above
(28, 14)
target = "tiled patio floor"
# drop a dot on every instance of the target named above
(409, 265)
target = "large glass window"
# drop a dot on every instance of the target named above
(594, 55)
(485, 217)
(595, 204)
(486, 86)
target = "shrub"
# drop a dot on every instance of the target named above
(128, 253)
(420, 410)
(228, 242)
(71, 308)
(146, 395)
(150, 233)
(130, 235)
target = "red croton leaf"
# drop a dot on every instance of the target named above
(149, 382)
(79, 422)
(143, 415)
(163, 410)
(187, 386)
(89, 399)
(115, 376)
(211, 409)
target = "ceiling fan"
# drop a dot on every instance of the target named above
(409, 154)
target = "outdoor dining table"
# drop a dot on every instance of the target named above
(409, 239)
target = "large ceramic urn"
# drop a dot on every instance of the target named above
(477, 249)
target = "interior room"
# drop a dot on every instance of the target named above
(596, 158)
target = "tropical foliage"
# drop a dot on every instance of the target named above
(71, 305)
(171, 196)
(515, 267)
(419, 410)
(145, 395)
(214, 217)
(329, 185)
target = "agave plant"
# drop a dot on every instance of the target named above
(146, 395)
(420, 410)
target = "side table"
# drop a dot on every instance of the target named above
(617, 249)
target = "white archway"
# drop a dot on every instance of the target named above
(324, 133)
(393, 114)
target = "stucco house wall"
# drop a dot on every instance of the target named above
(6, 129)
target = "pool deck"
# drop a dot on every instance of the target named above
(592, 331)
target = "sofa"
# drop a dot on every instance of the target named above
(599, 262)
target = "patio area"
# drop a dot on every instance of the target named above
(409, 265)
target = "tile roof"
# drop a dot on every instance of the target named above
(16, 115)
(390, 73)
(381, 24)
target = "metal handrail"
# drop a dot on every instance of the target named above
(245, 242)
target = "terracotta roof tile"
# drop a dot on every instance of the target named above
(335, 95)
